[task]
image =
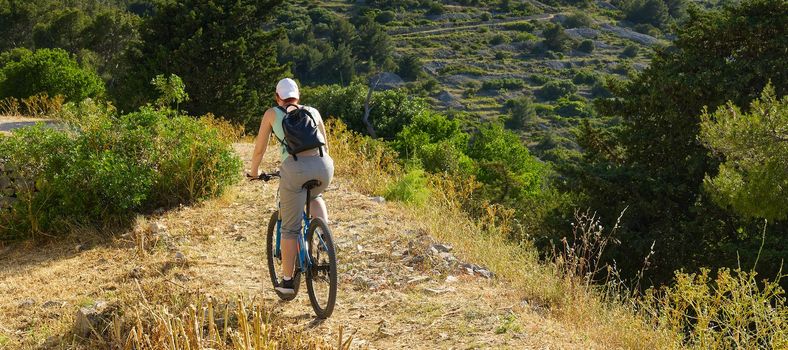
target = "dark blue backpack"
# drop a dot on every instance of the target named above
(301, 132)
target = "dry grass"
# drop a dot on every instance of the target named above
(206, 324)
(36, 106)
(483, 240)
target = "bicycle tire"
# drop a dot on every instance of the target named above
(322, 311)
(270, 240)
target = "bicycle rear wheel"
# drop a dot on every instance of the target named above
(275, 260)
(321, 278)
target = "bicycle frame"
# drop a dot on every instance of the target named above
(304, 261)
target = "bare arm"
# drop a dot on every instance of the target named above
(322, 128)
(261, 142)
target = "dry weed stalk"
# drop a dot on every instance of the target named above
(581, 257)
(239, 324)
(37, 106)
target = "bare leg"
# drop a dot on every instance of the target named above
(318, 209)
(289, 251)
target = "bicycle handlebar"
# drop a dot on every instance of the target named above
(264, 176)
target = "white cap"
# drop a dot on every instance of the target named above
(287, 88)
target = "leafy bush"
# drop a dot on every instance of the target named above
(391, 109)
(459, 68)
(445, 157)
(570, 108)
(385, 17)
(505, 165)
(50, 71)
(410, 188)
(555, 38)
(500, 38)
(647, 29)
(555, 89)
(585, 77)
(630, 51)
(654, 12)
(521, 26)
(427, 128)
(578, 19)
(586, 46)
(503, 83)
(103, 168)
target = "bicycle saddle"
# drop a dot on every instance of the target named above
(311, 184)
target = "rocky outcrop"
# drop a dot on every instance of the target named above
(631, 34)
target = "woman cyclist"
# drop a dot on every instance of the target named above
(307, 165)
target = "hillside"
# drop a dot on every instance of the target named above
(476, 58)
(394, 293)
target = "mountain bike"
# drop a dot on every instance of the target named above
(316, 257)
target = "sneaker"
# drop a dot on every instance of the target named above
(286, 287)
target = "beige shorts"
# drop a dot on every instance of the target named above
(292, 195)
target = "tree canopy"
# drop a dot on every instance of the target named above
(753, 178)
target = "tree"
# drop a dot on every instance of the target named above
(171, 89)
(653, 12)
(521, 112)
(653, 160)
(410, 67)
(555, 38)
(505, 165)
(51, 71)
(374, 44)
(219, 49)
(753, 179)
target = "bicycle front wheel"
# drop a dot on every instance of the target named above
(321, 278)
(274, 257)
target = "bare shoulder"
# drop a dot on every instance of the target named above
(269, 115)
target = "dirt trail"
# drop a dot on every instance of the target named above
(445, 28)
(394, 291)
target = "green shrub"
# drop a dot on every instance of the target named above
(569, 108)
(103, 168)
(385, 17)
(585, 77)
(503, 83)
(459, 68)
(509, 171)
(539, 79)
(445, 157)
(410, 188)
(586, 46)
(599, 90)
(578, 19)
(555, 89)
(630, 51)
(647, 29)
(391, 109)
(555, 38)
(522, 26)
(51, 71)
(427, 128)
(500, 38)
